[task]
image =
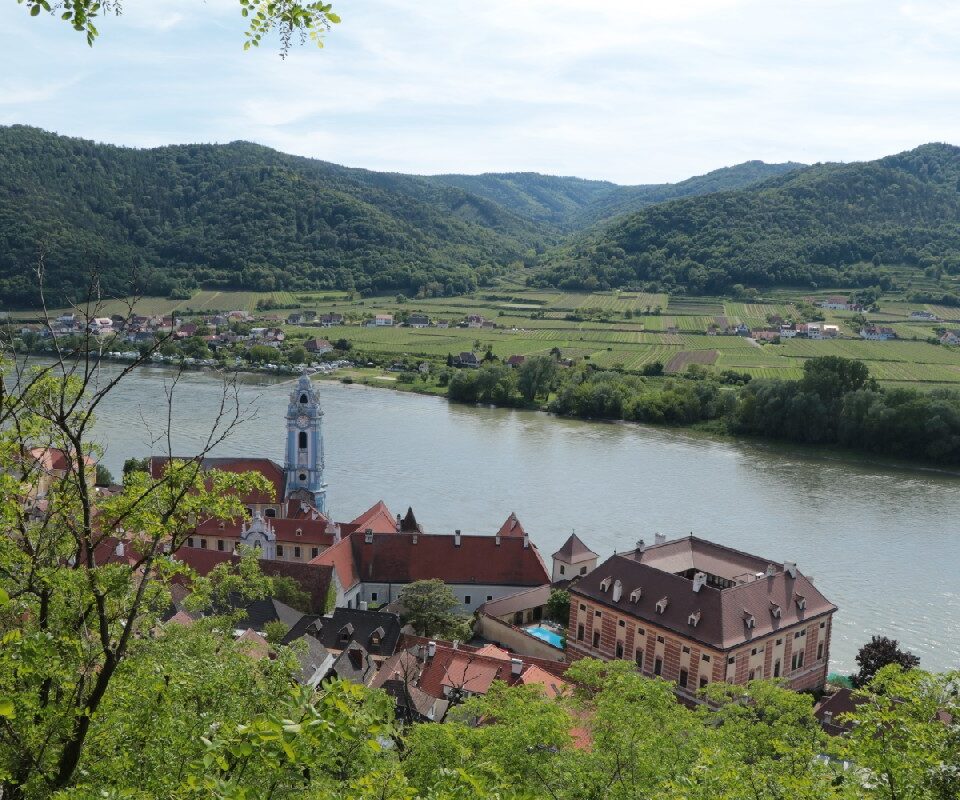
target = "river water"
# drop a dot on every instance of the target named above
(881, 541)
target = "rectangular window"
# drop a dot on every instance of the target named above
(705, 657)
(660, 639)
(373, 596)
(203, 544)
(489, 597)
(776, 668)
(683, 679)
(639, 631)
(296, 552)
(732, 660)
(823, 625)
(466, 599)
(657, 665)
(279, 549)
(797, 660)
(779, 641)
(561, 569)
(638, 657)
(220, 545)
(819, 651)
(619, 649)
(686, 649)
(583, 570)
(580, 632)
(596, 613)
(622, 624)
(314, 552)
(703, 681)
(596, 638)
(583, 607)
(189, 541)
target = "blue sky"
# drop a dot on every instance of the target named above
(628, 90)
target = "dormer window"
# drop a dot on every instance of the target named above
(775, 610)
(605, 584)
(376, 636)
(662, 604)
(749, 620)
(801, 601)
(694, 618)
(636, 594)
(346, 632)
(299, 531)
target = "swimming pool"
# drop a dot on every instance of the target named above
(548, 635)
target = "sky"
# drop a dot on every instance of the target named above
(632, 91)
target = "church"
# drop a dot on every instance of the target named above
(371, 556)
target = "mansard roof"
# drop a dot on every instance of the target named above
(362, 625)
(660, 573)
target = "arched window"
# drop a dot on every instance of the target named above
(303, 440)
(270, 512)
(303, 399)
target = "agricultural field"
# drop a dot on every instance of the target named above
(685, 358)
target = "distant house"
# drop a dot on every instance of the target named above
(950, 337)
(295, 319)
(466, 359)
(318, 346)
(515, 361)
(814, 330)
(418, 321)
(475, 321)
(100, 325)
(187, 329)
(743, 329)
(378, 632)
(788, 332)
(383, 320)
(830, 331)
(877, 333)
(766, 335)
(329, 320)
(443, 324)
(926, 316)
(836, 304)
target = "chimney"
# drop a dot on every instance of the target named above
(516, 666)
(791, 568)
(399, 522)
(659, 538)
(827, 717)
(496, 540)
(368, 536)
(119, 549)
(771, 570)
(363, 605)
(641, 545)
(414, 538)
(456, 538)
(617, 591)
(699, 581)
(526, 541)
(456, 644)
(431, 649)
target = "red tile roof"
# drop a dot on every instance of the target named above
(377, 518)
(340, 558)
(312, 532)
(389, 558)
(272, 471)
(511, 527)
(573, 549)
(54, 459)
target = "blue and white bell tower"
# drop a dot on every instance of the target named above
(304, 463)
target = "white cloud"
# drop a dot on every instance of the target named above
(631, 90)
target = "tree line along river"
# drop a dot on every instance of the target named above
(880, 540)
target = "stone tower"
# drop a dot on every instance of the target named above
(304, 461)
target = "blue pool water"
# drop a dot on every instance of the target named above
(548, 635)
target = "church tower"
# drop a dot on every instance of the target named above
(304, 462)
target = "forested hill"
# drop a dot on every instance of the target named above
(237, 215)
(574, 203)
(830, 224)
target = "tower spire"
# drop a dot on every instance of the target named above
(304, 461)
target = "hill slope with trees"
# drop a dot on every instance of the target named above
(829, 224)
(574, 203)
(235, 216)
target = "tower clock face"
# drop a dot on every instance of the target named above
(303, 420)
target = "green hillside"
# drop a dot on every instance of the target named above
(234, 216)
(830, 224)
(573, 203)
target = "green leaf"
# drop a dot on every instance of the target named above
(7, 709)
(34, 11)
(334, 18)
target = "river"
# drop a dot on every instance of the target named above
(881, 541)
